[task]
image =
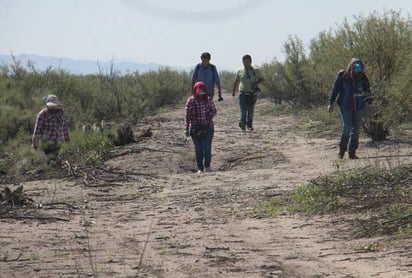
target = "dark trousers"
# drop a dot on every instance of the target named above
(352, 121)
(203, 150)
(51, 149)
(247, 107)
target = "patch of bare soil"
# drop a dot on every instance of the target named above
(146, 213)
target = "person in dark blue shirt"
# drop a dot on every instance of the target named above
(207, 73)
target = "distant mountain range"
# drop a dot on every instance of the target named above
(82, 67)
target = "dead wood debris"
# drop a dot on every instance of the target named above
(381, 198)
(126, 135)
(15, 198)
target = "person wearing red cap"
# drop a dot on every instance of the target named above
(50, 129)
(199, 113)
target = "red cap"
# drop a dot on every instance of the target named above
(200, 90)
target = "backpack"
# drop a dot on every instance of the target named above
(212, 67)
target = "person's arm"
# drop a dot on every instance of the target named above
(38, 130)
(195, 77)
(213, 110)
(235, 87)
(217, 82)
(260, 78)
(236, 84)
(334, 92)
(65, 131)
(368, 94)
(219, 89)
(188, 112)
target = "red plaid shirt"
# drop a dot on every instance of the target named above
(50, 125)
(199, 111)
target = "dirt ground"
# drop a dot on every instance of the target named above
(146, 213)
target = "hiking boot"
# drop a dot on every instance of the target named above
(341, 154)
(242, 126)
(208, 170)
(352, 155)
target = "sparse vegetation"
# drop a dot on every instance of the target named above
(378, 200)
(383, 42)
(382, 199)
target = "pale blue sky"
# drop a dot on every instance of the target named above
(173, 32)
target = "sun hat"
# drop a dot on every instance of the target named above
(52, 101)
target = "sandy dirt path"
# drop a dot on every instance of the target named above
(153, 216)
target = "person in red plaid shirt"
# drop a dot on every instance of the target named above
(50, 129)
(200, 110)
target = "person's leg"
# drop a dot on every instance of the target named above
(51, 149)
(251, 110)
(346, 116)
(354, 135)
(243, 107)
(207, 147)
(198, 153)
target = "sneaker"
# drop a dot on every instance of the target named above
(242, 126)
(250, 128)
(208, 170)
(199, 171)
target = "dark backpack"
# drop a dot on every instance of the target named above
(212, 67)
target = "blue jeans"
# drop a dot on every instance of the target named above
(352, 121)
(203, 150)
(247, 107)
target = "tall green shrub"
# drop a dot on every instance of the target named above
(383, 42)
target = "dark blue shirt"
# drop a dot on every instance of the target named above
(208, 75)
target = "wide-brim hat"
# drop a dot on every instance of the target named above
(52, 101)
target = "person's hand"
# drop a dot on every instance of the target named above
(220, 98)
(34, 147)
(233, 93)
(330, 108)
(187, 133)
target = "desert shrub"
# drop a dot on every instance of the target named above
(270, 108)
(81, 142)
(381, 197)
(86, 99)
(317, 122)
(382, 41)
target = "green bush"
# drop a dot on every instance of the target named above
(318, 122)
(382, 199)
(88, 148)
